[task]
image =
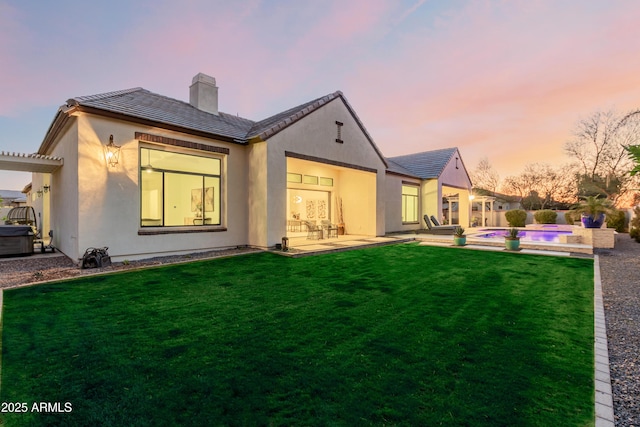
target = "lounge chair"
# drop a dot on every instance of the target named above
(437, 223)
(438, 229)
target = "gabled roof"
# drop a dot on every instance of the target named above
(274, 124)
(425, 165)
(140, 105)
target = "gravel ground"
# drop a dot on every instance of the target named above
(620, 270)
(619, 267)
(21, 271)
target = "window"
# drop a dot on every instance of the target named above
(326, 181)
(294, 177)
(409, 203)
(179, 189)
(309, 179)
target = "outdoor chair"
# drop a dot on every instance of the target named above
(435, 221)
(331, 229)
(438, 229)
(314, 232)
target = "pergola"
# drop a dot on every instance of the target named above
(483, 202)
(29, 162)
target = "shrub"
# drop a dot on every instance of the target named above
(571, 217)
(516, 217)
(634, 226)
(617, 220)
(546, 216)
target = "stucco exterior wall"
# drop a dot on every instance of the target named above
(455, 178)
(257, 191)
(315, 135)
(393, 216)
(108, 209)
(431, 197)
(41, 201)
(64, 193)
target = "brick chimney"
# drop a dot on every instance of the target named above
(203, 93)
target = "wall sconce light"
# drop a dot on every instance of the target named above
(111, 152)
(46, 189)
(39, 193)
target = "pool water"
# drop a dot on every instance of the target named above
(551, 236)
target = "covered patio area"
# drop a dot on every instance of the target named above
(323, 193)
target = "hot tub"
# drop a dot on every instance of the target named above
(16, 240)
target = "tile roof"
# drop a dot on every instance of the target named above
(272, 125)
(143, 104)
(425, 165)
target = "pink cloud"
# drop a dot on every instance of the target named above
(501, 78)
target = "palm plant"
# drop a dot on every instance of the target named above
(593, 206)
(593, 210)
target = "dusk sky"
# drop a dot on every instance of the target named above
(506, 80)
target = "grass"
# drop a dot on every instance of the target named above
(396, 335)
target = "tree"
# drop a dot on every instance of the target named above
(542, 186)
(598, 148)
(485, 177)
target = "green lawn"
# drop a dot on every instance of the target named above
(396, 335)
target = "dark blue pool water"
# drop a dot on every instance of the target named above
(552, 236)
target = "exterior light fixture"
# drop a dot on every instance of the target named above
(47, 188)
(39, 193)
(111, 152)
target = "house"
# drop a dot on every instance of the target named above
(149, 175)
(435, 181)
(10, 198)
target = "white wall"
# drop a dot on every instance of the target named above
(257, 183)
(108, 208)
(64, 193)
(393, 217)
(315, 135)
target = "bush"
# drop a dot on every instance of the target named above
(617, 220)
(634, 226)
(545, 216)
(516, 217)
(570, 217)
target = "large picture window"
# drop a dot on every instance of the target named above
(410, 203)
(179, 189)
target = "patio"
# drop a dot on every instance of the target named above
(301, 246)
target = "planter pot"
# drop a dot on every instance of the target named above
(340, 229)
(590, 222)
(459, 240)
(512, 244)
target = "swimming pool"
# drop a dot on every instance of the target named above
(551, 236)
